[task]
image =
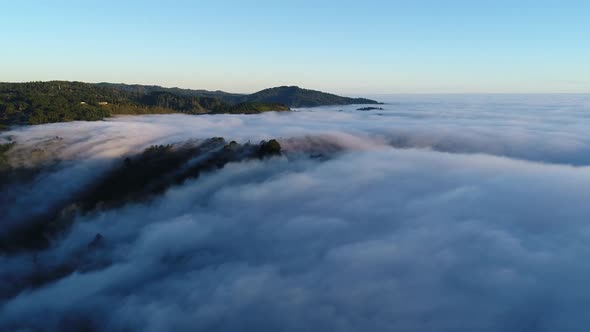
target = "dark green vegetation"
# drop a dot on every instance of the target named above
(370, 109)
(47, 102)
(255, 107)
(35, 103)
(292, 96)
(3, 149)
(297, 97)
(62, 101)
(147, 89)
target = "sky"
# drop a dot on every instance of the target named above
(347, 47)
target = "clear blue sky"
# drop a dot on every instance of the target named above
(350, 47)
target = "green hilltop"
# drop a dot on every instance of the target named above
(61, 101)
(294, 96)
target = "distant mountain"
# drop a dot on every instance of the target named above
(294, 96)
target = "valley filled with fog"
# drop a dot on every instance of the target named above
(454, 212)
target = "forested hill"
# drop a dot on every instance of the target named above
(61, 101)
(147, 89)
(291, 96)
(294, 96)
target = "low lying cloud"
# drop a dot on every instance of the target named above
(476, 224)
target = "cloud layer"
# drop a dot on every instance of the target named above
(479, 223)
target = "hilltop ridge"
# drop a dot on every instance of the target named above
(61, 101)
(294, 96)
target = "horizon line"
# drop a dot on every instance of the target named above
(296, 85)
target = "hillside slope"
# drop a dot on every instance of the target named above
(291, 96)
(147, 89)
(294, 96)
(61, 101)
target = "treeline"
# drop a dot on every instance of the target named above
(60, 101)
(291, 96)
(36, 102)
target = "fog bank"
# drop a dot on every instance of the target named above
(435, 215)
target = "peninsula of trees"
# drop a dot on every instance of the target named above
(62, 101)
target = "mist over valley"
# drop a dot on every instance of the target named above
(436, 212)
